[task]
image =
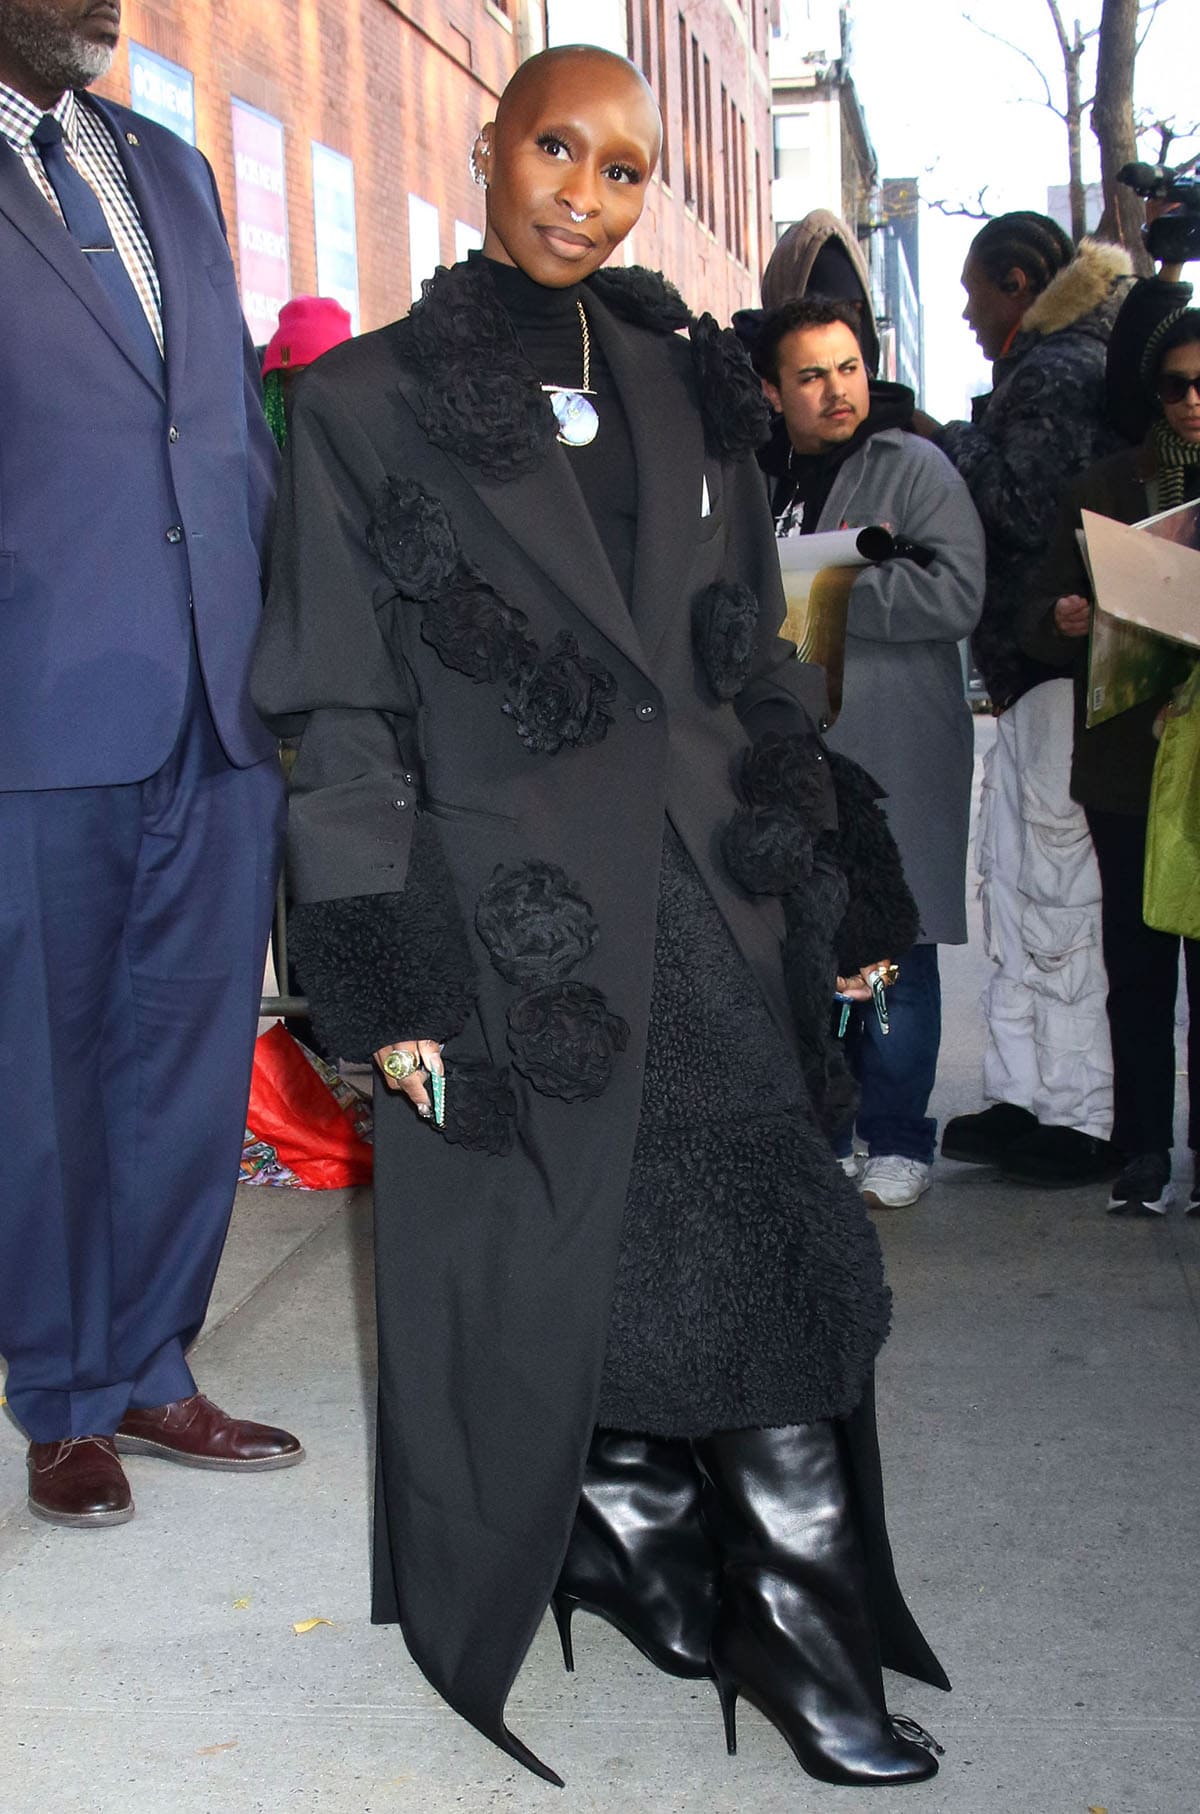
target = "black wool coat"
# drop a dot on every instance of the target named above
(489, 741)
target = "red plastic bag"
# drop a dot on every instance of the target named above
(293, 1111)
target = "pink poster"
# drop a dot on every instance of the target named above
(258, 164)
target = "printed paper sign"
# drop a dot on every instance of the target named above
(258, 166)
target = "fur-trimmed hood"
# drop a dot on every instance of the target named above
(1092, 284)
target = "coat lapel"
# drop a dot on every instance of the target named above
(32, 217)
(661, 415)
(545, 514)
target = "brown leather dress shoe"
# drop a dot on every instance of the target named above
(78, 1482)
(198, 1434)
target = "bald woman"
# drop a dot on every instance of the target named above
(560, 823)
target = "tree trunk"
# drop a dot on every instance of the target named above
(1112, 123)
(1072, 58)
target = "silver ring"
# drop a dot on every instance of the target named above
(577, 218)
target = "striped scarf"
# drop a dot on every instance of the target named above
(1172, 456)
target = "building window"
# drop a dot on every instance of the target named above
(664, 91)
(708, 148)
(726, 170)
(760, 225)
(698, 126)
(466, 239)
(685, 117)
(744, 189)
(793, 153)
(424, 242)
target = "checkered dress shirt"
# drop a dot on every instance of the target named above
(91, 149)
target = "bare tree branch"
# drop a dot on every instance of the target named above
(979, 212)
(1032, 61)
(1152, 9)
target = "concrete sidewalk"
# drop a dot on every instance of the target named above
(1037, 1408)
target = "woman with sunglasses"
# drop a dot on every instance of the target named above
(1111, 773)
(555, 781)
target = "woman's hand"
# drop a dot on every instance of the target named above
(857, 987)
(428, 1056)
(1073, 615)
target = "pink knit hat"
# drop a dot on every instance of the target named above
(308, 327)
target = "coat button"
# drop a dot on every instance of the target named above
(172, 434)
(400, 804)
(645, 709)
(410, 780)
(175, 533)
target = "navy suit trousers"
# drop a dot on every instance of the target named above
(133, 925)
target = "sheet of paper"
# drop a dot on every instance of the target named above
(1146, 578)
(818, 573)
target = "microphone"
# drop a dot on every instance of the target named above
(877, 544)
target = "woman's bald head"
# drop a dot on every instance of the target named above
(567, 161)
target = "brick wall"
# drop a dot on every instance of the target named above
(402, 86)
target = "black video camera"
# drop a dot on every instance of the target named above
(1174, 238)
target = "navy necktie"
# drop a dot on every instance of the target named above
(85, 220)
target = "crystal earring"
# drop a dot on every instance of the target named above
(477, 175)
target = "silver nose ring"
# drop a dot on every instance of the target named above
(576, 217)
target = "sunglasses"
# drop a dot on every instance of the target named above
(1173, 387)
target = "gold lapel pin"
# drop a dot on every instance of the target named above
(131, 138)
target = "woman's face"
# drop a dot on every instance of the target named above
(1181, 411)
(567, 162)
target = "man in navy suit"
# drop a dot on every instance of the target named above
(139, 794)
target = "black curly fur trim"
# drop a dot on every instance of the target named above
(564, 1038)
(749, 1287)
(475, 632)
(561, 697)
(768, 850)
(481, 401)
(881, 918)
(737, 419)
(786, 770)
(481, 1109)
(411, 536)
(479, 398)
(724, 625)
(641, 296)
(813, 914)
(379, 968)
(536, 925)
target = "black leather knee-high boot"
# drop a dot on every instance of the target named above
(795, 1634)
(640, 1555)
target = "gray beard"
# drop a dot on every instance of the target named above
(58, 56)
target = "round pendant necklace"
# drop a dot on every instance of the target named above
(575, 413)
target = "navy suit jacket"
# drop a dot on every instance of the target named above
(102, 465)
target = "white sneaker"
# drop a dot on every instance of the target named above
(850, 1164)
(891, 1182)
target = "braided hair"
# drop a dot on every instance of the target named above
(1032, 242)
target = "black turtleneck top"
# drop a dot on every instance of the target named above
(547, 325)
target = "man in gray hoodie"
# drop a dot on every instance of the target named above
(841, 457)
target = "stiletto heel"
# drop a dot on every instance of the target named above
(795, 1635)
(639, 1554)
(727, 1694)
(563, 1606)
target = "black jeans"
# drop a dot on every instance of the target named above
(1143, 972)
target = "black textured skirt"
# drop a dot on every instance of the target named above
(749, 1288)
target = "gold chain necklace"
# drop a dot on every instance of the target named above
(578, 423)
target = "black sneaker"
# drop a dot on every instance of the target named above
(981, 1139)
(1143, 1187)
(1059, 1158)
